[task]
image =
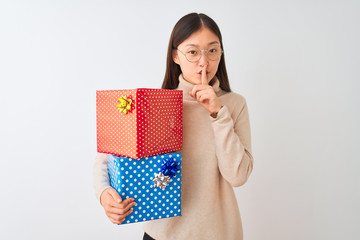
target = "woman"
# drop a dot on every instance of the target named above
(216, 153)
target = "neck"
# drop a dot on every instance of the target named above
(187, 87)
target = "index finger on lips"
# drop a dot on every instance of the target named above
(204, 80)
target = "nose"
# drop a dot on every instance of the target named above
(203, 59)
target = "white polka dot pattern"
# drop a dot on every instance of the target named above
(153, 125)
(132, 178)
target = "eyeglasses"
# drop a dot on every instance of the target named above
(193, 54)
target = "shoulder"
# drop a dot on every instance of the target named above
(234, 101)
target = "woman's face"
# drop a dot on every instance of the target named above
(203, 39)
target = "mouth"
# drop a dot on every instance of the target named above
(201, 72)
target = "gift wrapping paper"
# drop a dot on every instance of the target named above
(140, 122)
(139, 179)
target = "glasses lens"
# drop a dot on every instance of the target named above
(193, 54)
(214, 53)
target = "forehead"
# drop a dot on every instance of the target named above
(201, 38)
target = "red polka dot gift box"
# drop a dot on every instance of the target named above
(139, 122)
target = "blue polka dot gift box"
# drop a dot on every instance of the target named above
(154, 182)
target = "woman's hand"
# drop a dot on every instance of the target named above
(114, 207)
(205, 94)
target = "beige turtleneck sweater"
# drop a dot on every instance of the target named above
(216, 157)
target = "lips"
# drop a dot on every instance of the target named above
(201, 72)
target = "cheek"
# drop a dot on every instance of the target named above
(214, 69)
(187, 68)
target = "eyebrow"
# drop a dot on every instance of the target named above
(213, 42)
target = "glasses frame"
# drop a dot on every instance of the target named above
(201, 53)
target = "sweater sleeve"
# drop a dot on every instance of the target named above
(233, 145)
(101, 179)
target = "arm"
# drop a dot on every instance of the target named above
(101, 179)
(232, 139)
(233, 145)
(115, 208)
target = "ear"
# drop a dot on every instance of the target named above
(175, 57)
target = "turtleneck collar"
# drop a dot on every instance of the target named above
(187, 87)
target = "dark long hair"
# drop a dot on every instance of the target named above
(186, 26)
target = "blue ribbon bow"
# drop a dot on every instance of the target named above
(169, 167)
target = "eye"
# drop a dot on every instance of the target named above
(214, 50)
(192, 52)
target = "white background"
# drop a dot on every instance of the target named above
(296, 62)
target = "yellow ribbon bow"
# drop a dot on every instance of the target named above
(124, 104)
